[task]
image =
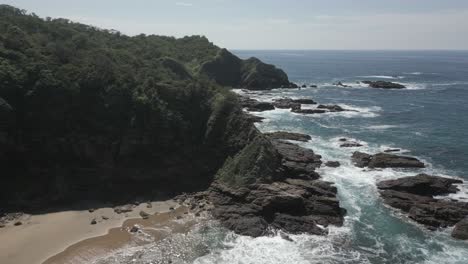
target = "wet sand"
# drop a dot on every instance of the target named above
(69, 236)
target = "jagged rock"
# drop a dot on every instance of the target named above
(332, 108)
(461, 230)
(333, 164)
(342, 139)
(93, 222)
(360, 159)
(291, 200)
(313, 86)
(297, 161)
(384, 160)
(304, 86)
(18, 223)
(91, 210)
(105, 217)
(289, 136)
(414, 195)
(144, 215)
(384, 85)
(2, 225)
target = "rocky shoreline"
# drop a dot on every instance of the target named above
(415, 197)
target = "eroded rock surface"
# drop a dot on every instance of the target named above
(294, 199)
(288, 136)
(385, 160)
(414, 196)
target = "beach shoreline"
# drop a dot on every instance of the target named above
(43, 236)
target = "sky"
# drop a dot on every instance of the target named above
(275, 24)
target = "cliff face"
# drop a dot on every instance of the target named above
(228, 70)
(92, 114)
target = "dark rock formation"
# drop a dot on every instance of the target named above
(304, 101)
(351, 145)
(299, 110)
(392, 150)
(332, 108)
(461, 230)
(255, 105)
(333, 164)
(293, 200)
(228, 70)
(298, 162)
(421, 184)
(384, 160)
(313, 86)
(285, 103)
(254, 118)
(288, 136)
(414, 195)
(384, 85)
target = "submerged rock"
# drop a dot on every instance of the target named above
(332, 108)
(384, 85)
(414, 196)
(333, 164)
(351, 145)
(341, 84)
(288, 136)
(384, 160)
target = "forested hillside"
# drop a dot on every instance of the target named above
(93, 113)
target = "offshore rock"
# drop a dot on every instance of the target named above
(414, 196)
(384, 160)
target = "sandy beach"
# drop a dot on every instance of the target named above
(62, 236)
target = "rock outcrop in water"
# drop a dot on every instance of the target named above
(289, 136)
(384, 85)
(414, 196)
(286, 103)
(385, 160)
(285, 194)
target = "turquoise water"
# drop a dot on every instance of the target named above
(428, 120)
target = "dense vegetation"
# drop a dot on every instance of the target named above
(95, 112)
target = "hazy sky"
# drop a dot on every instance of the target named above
(275, 24)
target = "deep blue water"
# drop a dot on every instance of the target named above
(430, 119)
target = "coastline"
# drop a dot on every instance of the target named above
(41, 237)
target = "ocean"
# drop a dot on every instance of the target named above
(428, 120)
